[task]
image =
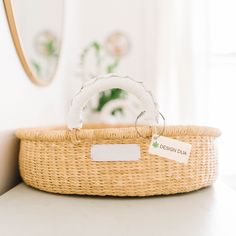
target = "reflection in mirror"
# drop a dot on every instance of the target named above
(36, 27)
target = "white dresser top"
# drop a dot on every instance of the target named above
(29, 212)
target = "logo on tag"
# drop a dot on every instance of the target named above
(170, 148)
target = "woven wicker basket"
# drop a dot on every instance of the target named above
(59, 159)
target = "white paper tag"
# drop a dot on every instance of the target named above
(115, 152)
(170, 148)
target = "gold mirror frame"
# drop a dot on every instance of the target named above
(19, 49)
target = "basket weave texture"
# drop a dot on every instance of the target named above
(58, 160)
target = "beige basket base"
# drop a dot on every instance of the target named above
(124, 194)
(51, 162)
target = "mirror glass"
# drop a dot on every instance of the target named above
(36, 27)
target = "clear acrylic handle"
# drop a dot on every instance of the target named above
(105, 82)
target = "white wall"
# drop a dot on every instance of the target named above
(161, 53)
(22, 104)
(97, 19)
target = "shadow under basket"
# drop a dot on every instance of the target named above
(59, 160)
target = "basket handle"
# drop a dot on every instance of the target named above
(105, 82)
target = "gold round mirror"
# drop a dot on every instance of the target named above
(36, 28)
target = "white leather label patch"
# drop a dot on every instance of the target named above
(115, 152)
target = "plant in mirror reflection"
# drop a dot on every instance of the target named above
(46, 45)
(99, 58)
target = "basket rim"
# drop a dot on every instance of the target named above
(61, 133)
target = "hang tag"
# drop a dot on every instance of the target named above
(170, 148)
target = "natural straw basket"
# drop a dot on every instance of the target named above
(59, 159)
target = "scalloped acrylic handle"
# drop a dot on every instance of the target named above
(105, 82)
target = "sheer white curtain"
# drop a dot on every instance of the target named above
(181, 60)
(222, 80)
(195, 68)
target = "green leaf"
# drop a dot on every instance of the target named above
(117, 110)
(111, 67)
(97, 46)
(50, 47)
(36, 66)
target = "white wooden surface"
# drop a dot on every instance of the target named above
(26, 211)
